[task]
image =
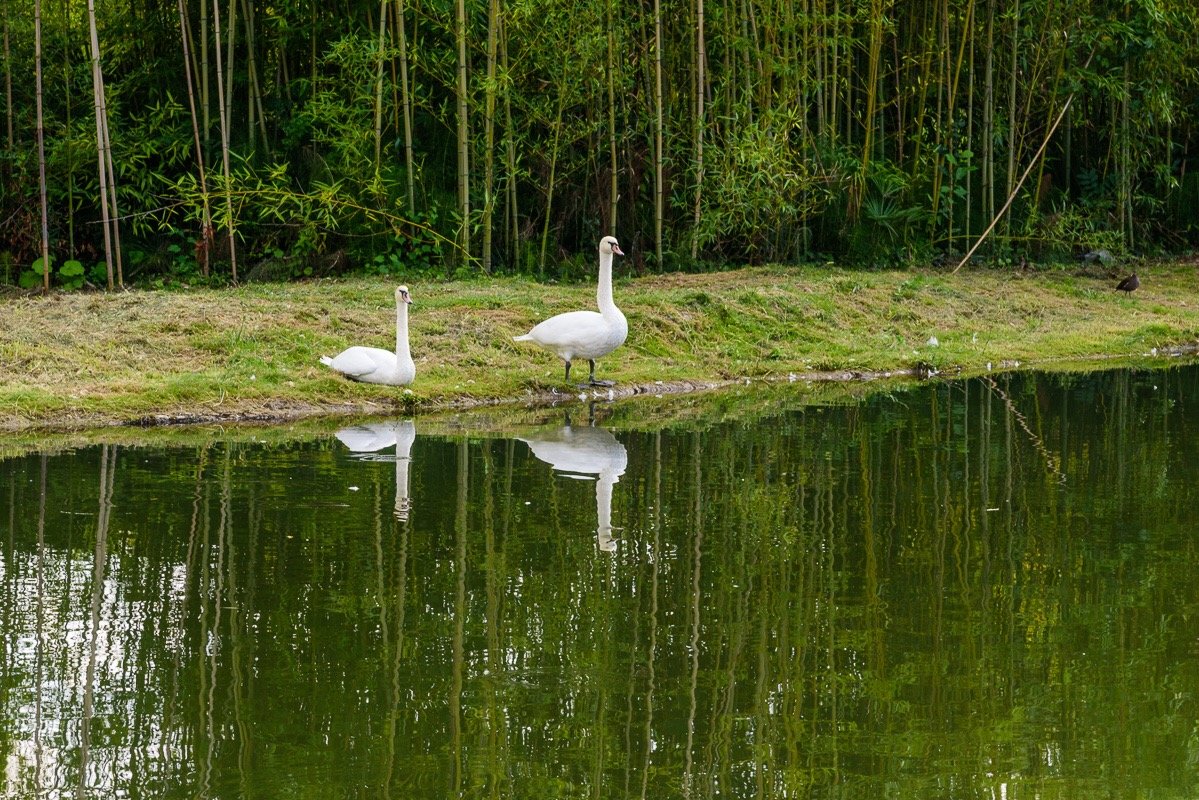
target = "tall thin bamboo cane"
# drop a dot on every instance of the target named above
(701, 57)
(379, 59)
(204, 247)
(112, 187)
(406, 100)
(257, 116)
(513, 215)
(8, 84)
(98, 94)
(988, 134)
(613, 185)
(205, 92)
(463, 130)
(41, 143)
(659, 126)
(225, 171)
(227, 102)
(493, 14)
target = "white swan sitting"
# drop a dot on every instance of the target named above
(374, 365)
(586, 334)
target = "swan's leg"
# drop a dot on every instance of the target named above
(591, 378)
(567, 360)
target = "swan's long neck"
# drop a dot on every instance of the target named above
(402, 330)
(603, 293)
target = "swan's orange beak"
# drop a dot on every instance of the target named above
(616, 249)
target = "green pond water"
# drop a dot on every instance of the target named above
(985, 588)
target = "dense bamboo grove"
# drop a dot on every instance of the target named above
(243, 139)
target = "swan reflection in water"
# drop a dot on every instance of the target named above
(378, 435)
(585, 453)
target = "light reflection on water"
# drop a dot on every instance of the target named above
(971, 588)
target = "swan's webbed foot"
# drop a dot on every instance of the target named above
(591, 381)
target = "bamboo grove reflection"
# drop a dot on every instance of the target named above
(978, 587)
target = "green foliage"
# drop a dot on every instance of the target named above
(1072, 230)
(793, 170)
(70, 275)
(760, 192)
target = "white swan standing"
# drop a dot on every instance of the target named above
(582, 453)
(374, 365)
(586, 334)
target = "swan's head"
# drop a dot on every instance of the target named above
(402, 295)
(608, 245)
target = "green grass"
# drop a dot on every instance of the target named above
(74, 360)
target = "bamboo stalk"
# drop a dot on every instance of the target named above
(382, 47)
(549, 197)
(204, 247)
(700, 85)
(257, 116)
(463, 131)
(41, 140)
(9, 115)
(112, 186)
(406, 101)
(70, 152)
(659, 125)
(493, 13)
(510, 155)
(613, 186)
(227, 102)
(205, 91)
(225, 171)
(98, 95)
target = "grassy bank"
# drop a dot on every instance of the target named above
(75, 360)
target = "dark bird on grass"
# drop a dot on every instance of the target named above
(1128, 284)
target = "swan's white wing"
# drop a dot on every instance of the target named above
(357, 362)
(577, 334)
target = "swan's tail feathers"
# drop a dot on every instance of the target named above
(528, 337)
(326, 360)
